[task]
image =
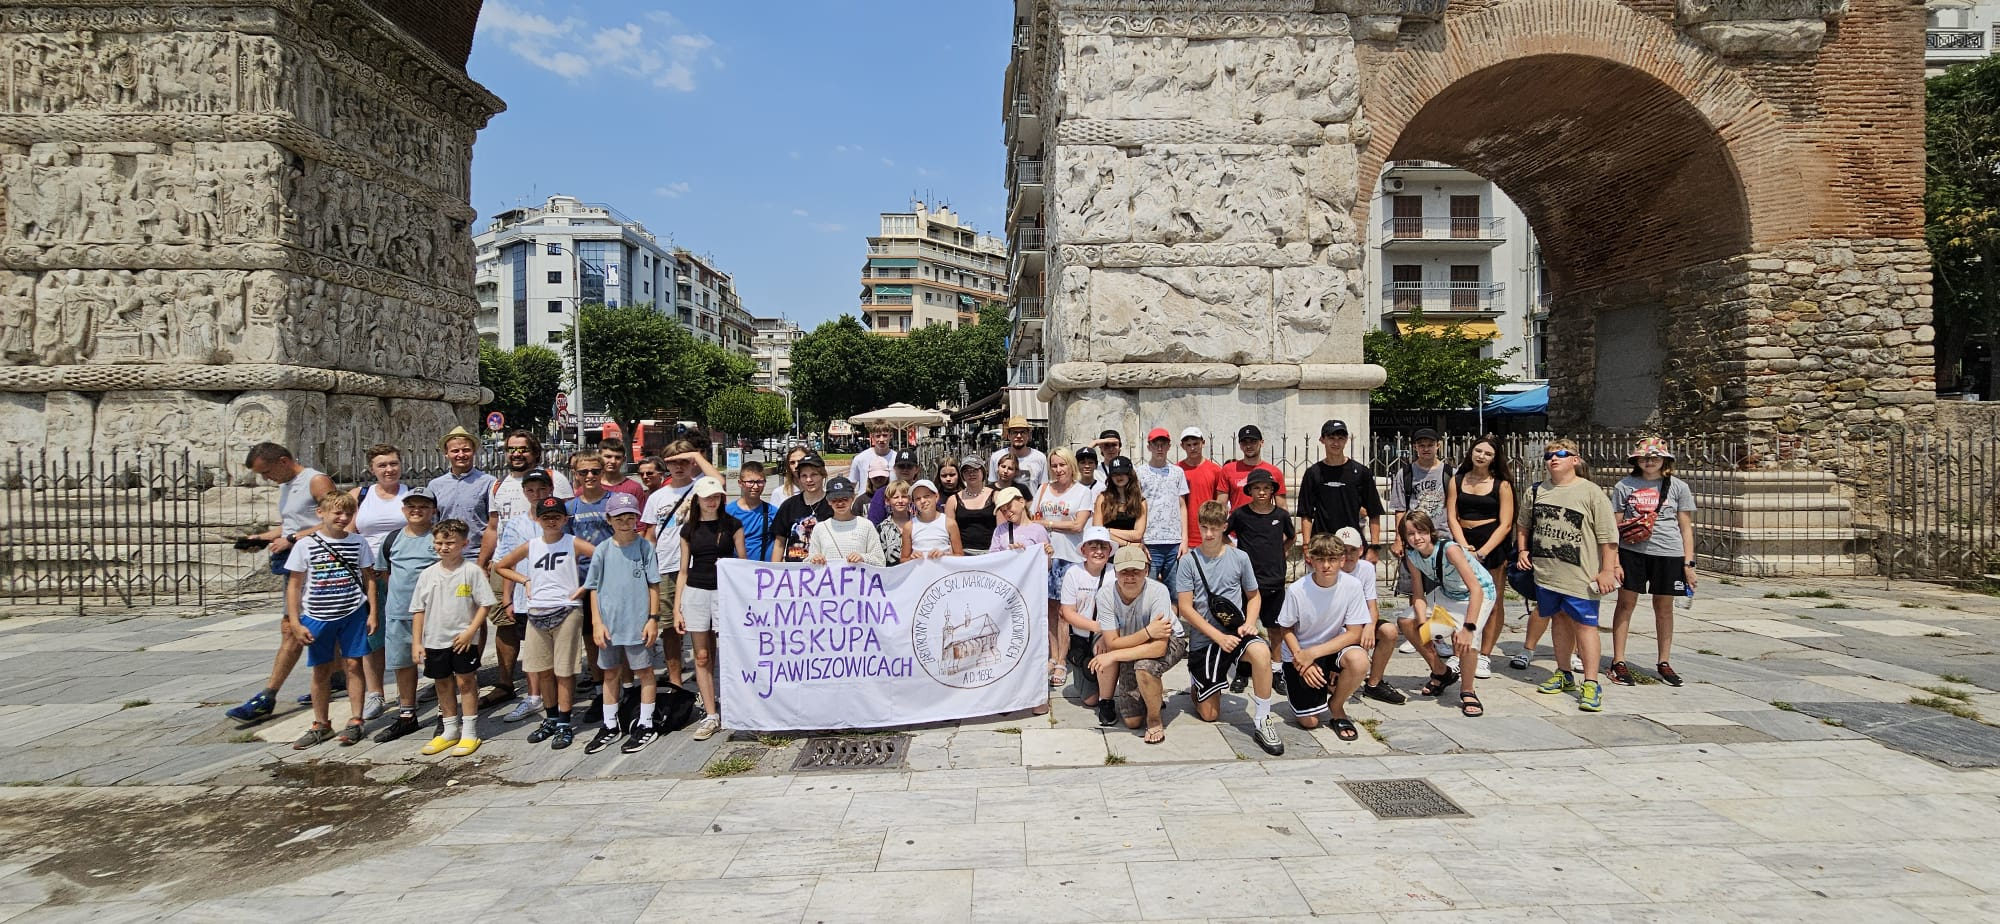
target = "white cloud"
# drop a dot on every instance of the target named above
(923, 171)
(802, 213)
(666, 56)
(671, 190)
(886, 162)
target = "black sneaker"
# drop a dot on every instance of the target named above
(1384, 692)
(642, 735)
(1278, 685)
(601, 740)
(542, 732)
(1107, 713)
(564, 737)
(1242, 678)
(405, 724)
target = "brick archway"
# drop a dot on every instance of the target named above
(1695, 203)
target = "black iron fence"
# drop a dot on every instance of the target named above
(114, 530)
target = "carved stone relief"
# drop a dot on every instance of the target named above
(1184, 194)
(1312, 78)
(139, 193)
(1180, 314)
(161, 422)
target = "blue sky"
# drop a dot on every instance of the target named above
(769, 135)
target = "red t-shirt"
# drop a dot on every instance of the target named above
(1204, 485)
(1235, 474)
(630, 486)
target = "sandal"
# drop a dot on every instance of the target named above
(1343, 728)
(351, 735)
(1666, 672)
(1469, 704)
(1439, 683)
(1058, 676)
(1156, 734)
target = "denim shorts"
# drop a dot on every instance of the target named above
(397, 634)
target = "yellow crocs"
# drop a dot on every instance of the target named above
(439, 745)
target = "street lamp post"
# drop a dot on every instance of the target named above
(576, 329)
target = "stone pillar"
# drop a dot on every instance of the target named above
(224, 222)
(1203, 264)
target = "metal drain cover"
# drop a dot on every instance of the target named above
(874, 752)
(1403, 799)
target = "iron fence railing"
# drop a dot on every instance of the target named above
(103, 530)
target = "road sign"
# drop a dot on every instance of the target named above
(562, 402)
(496, 421)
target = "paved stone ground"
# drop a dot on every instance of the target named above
(1790, 778)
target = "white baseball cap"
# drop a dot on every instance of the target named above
(1350, 537)
(924, 484)
(1096, 534)
(1192, 433)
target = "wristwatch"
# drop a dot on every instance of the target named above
(652, 617)
(1690, 564)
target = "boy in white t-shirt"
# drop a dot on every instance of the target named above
(1380, 642)
(1079, 612)
(1321, 630)
(448, 614)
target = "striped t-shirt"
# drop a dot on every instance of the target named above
(333, 574)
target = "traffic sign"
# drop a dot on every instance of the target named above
(562, 402)
(496, 421)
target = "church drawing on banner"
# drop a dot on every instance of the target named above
(970, 641)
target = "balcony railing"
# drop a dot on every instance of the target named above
(1029, 308)
(1031, 238)
(1954, 40)
(1027, 373)
(1471, 228)
(1028, 171)
(1023, 107)
(1452, 296)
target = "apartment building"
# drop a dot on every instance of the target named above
(928, 267)
(771, 350)
(1958, 31)
(707, 304)
(1447, 246)
(534, 265)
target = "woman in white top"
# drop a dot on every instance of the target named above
(787, 473)
(1063, 506)
(928, 534)
(379, 514)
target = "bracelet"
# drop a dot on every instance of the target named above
(652, 617)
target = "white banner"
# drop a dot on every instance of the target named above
(807, 647)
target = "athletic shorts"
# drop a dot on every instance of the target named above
(698, 609)
(1306, 700)
(1660, 575)
(1476, 536)
(1270, 601)
(1057, 568)
(556, 648)
(380, 636)
(1126, 692)
(1211, 667)
(397, 634)
(334, 639)
(636, 657)
(440, 663)
(1550, 603)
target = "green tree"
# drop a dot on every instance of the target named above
(981, 351)
(740, 411)
(776, 413)
(705, 371)
(542, 374)
(838, 370)
(631, 356)
(1430, 368)
(1962, 214)
(497, 374)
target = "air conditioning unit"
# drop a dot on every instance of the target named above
(1392, 184)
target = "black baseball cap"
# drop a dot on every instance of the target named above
(538, 474)
(1111, 435)
(840, 487)
(1259, 476)
(905, 457)
(1249, 432)
(1120, 464)
(1086, 454)
(1333, 428)
(1424, 433)
(548, 505)
(812, 459)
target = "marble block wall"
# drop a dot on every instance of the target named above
(225, 222)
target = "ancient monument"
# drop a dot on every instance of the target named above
(227, 221)
(1727, 193)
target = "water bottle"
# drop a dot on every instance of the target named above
(1686, 602)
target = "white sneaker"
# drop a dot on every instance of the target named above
(371, 707)
(526, 707)
(1485, 668)
(707, 727)
(1575, 664)
(1406, 647)
(1451, 664)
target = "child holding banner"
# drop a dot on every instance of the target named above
(624, 585)
(845, 538)
(710, 536)
(1015, 530)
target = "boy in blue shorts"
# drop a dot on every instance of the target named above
(1569, 540)
(624, 586)
(330, 609)
(405, 554)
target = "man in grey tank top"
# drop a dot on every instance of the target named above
(299, 491)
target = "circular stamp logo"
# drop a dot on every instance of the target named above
(970, 629)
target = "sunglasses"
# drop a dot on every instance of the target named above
(518, 450)
(1557, 454)
(589, 471)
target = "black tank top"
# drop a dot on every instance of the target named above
(975, 524)
(1476, 507)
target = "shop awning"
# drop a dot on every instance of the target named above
(892, 290)
(1533, 401)
(1477, 328)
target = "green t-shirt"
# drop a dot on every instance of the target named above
(1566, 527)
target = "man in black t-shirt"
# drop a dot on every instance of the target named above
(791, 533)
(1263, 530)
(1338, 491)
